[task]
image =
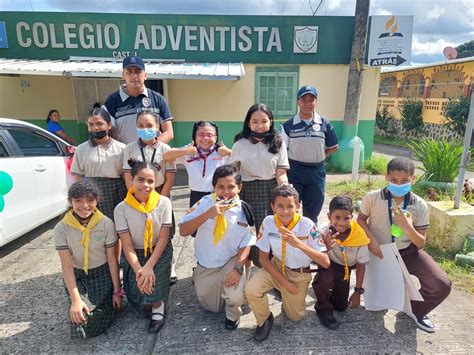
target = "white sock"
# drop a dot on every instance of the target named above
(157, 313)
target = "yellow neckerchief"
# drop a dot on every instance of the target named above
(293, 223)
(151, 203)
(71, 220)
(356, 238)
(220, 222)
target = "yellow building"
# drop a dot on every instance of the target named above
(433, 84)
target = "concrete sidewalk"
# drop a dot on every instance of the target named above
(34, 312)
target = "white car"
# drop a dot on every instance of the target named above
(37, 162)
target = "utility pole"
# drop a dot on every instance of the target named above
(343, 157)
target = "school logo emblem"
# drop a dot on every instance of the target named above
(305, 39)
(146, 102)
(314, 232)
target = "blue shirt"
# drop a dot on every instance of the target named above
(124, 109)
(54, 127)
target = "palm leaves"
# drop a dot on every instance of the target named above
(440, 159)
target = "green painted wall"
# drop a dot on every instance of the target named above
(227, 131)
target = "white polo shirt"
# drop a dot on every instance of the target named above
(198, 182)
(97, 160)
(256, 162)
(355, 255)
(269, 237)
(238, 234)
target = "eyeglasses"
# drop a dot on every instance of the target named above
(206, 135)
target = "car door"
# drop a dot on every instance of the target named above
(20, 212)
(48, 162)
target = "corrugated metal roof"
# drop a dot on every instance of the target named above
(109, 69)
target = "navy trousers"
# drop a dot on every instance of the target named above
(310, 182)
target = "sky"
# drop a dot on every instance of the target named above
(437, 24)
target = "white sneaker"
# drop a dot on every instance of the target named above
(425, 324)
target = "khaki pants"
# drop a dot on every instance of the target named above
(213, 295)
(262, 281)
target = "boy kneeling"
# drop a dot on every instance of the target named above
(348, 249)
(294, 242)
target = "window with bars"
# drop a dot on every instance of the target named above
(277, 87)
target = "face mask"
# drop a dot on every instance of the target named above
(146, 134)
(259, 135)
(399, 190)
(98, 135)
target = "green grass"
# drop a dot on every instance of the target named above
(376, 165)
(462, 276)
(390, 141)
(355, 189)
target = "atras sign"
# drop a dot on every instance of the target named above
(197, 38)
(390, 40)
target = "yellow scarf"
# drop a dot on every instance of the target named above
(70, 220)
(151, 203)
(356, 238)
(220, 222)
(293, 223)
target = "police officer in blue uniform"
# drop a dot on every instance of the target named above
(310, 138)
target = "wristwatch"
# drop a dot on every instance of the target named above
(359, 290)
(239, 268)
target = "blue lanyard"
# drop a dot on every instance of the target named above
(406, 200)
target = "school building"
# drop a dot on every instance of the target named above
(434, 84)
(207, 67)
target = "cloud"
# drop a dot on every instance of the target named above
(433, 47)
(435, 13)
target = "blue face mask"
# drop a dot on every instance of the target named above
(146, 134)
(399, 190)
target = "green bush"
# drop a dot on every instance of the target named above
(384, 120)
(455, 114)
(376, 165)
(412, 119)
(440, 159)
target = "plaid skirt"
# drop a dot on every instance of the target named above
(257, 194)
(113, 192)
(162, 271)
(96, 291)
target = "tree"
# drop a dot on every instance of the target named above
(466, 49)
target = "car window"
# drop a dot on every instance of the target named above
(33, 144)
(3, 151)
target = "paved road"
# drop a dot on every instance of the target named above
(33, 315)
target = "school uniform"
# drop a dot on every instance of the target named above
(216, 258)
(128, 219)
(306, 141)
(152, 154)
(297, 269)
(201, 167)
(95, 285)
(331, 285)
(435, 285)
(102, 164)
(258, 168)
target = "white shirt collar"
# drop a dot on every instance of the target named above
(316, 118)
(124, 95)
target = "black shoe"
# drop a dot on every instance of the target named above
(173, 280)
(156, 325)
(425, 324)
(262, 333)
(231, 325)
(327, 319)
